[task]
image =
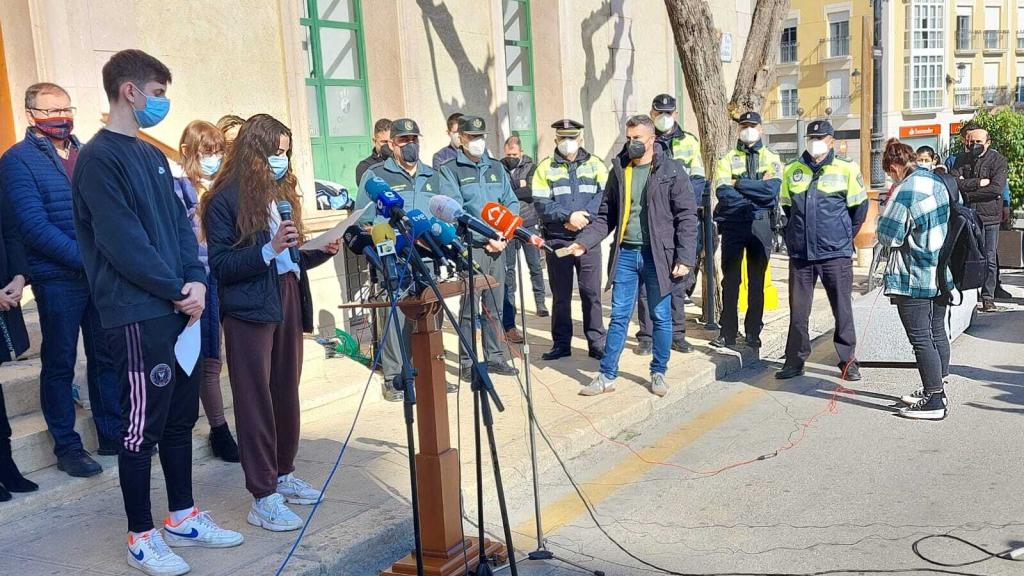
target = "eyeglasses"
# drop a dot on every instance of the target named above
(55, 112)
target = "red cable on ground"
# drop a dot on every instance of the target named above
(831, 407)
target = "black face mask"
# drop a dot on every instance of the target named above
(635, 149)
(977, 149)
(511, 162)
(385, 152)
(411, 152)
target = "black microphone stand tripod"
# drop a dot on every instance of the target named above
(484, 393)
(482, 412)
(405, 381)
(541, 553)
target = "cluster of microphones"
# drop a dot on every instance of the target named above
(410, 234)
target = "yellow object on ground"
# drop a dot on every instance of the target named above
(771, 293)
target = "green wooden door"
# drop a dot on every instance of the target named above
(336, 89)
(519, 73)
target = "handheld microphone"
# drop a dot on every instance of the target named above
(503, 220)
(361, 243)
(449, 210)
(421, 230)
(389, 204)
(384, 239)
(284, 208)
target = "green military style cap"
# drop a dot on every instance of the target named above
(567, 127)
(473, 125)
(404, 127)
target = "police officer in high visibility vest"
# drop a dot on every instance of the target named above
(475, 178)
(824, 199)
(683, 146)
(416, 182)
(747, 181)
(567, 191)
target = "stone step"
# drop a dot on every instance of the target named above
(20, 383)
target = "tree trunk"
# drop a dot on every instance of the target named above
(697, 42)
(758, 66)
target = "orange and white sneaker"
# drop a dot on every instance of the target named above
(199, 529)
(150, 554)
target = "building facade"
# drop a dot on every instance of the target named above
(943, 60)
(330, 68)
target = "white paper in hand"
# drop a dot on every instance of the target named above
(333, 234)
(186, 349)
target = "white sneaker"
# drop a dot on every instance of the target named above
(599, 385)
(297, 491)
(199, 529)
(658, 385)
(150, 554)
(272, 514)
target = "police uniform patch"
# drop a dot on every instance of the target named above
(477, 123)
(494, 178)
(407, 125)
(776, 168)
(798, 176)
(428, 187)
(161, 375)
(738, 163)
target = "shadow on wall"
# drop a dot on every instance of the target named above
(476, 92)
(595, 83)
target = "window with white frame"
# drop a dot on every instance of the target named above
(839, 34)
(926, 24)
(788, 47)
(964, 32)
(788, 99)
(924, 76)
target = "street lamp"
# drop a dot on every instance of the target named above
(877, 140)
(799, 132)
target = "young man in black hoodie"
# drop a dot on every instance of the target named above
(141, 259)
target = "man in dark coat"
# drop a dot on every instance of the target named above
(646, 191)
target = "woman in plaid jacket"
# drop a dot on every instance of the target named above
(914, 225)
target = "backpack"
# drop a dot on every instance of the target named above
(963, 250)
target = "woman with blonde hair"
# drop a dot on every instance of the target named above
(201, 151)
(266, 306)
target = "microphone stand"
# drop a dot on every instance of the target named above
(541, 553)
(405, 381)
(483, 393)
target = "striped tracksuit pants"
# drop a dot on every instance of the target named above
(159, 405)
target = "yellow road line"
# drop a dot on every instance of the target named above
(567, 508)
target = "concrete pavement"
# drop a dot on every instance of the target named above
(845, 485)
(364, 522)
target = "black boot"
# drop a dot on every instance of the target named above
(4, 494)
(222, 443)
(10, 476)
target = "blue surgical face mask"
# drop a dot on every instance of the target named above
(210, 164)
(155, 111)
(278, 165)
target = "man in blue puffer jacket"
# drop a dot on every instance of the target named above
(35, 177)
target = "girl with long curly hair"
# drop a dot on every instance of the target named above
(265, 307)
(201, 151)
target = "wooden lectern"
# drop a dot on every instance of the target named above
(445, 550)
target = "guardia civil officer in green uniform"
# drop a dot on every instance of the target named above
(474, 178)
(416, 182)
(824, 199)
(680, 145)
(568, 187)
(747, 181)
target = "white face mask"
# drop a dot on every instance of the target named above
(664, 122)
(750, 135)
(476, 147)
(568, 147)
(455, 139)
(818, 148)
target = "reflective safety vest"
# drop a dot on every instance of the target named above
(819, 205)
(561, 187)
(761, 195)
(686, 149)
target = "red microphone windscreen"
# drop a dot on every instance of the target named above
(501, 219)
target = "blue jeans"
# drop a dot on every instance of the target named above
(64, 307)
(631, 266)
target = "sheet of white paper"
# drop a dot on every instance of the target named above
(334, 233)
(186, 349)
